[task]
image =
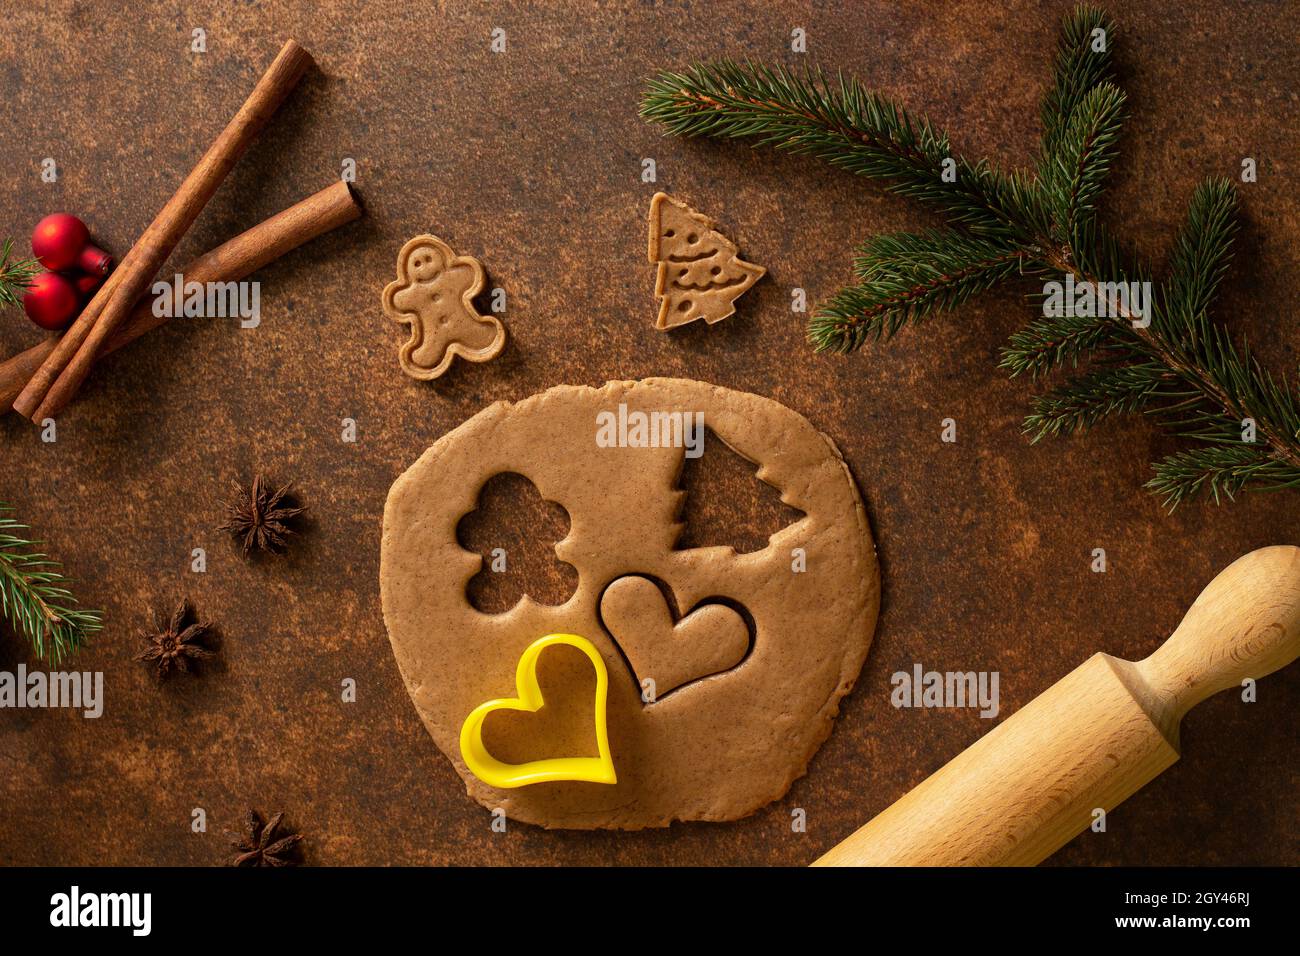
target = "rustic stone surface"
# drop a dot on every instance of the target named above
(531, 160)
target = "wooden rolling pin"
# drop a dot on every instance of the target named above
(1092, 739)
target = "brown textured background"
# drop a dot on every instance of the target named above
(531, 160)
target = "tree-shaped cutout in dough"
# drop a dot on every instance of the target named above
(434, 295)
(700, 274)
(515, 530)
(724, 502)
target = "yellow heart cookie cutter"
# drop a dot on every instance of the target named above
(496, 773)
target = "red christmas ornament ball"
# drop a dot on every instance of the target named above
(51, 301)
(58, 240)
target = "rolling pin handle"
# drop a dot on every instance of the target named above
(1245, 624)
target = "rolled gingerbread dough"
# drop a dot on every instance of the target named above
(717, 747)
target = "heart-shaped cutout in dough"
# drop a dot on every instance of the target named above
(712, 638)
(496, 773)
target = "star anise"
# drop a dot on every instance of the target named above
(174, 645)
(258, 517)
(263, 844)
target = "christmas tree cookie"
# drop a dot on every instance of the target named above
(700, 274)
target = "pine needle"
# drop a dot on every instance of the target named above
(1082, 62)
(15, 274)
(1072, 180)
(907, 276)
(34, 596)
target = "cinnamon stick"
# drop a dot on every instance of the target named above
(61, 374)
(228, 262)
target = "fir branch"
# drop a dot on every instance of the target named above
(1180, 367)
(1086, 399)
(1221, 389)
(907, 276)
(1222, 470)
(1080, 66)
(34, 596)
(1073, 177)
(15, 275)
(1050, 342)
(1201, 254)
(841, 122)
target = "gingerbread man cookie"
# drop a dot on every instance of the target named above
(434, 294)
